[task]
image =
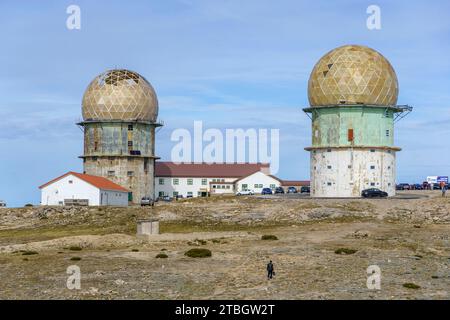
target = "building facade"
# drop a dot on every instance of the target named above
(75, 188)
(120, 110)
(201, 180)
(353, 93)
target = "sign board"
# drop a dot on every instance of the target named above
(437, 179)
(442, 179)
(432, 179)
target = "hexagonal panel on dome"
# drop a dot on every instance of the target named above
(120, 95)
(353, 75)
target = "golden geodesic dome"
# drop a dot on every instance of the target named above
(120, 95)
(353, 74)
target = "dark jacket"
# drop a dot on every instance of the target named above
(270, 266)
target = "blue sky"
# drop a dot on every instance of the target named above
(231, 64)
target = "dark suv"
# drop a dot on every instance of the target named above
(403, 186)
(266, 191)
(373, 192)
(305, 189)
(279, 190)
(292, 190)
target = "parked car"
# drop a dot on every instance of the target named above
(292, 190)
(266, 191)
(245, 192)
(373, 192)
(279, 190)
(2, 203)
(147, 201)
(305, 189)
(166, 198)
(403, 186)
(417, 186)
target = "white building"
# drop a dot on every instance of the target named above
(75, 188)
(201, 179)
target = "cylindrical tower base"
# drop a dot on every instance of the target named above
(345, 172)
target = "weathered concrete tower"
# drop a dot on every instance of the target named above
(353, 93)
(120, 111)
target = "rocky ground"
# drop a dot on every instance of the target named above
(407, 237)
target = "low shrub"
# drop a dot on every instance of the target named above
(198, 253)
(28, 205)
(29, 253)
(161, 256)
(75, 248)
(135, 250)
(345, 251)
(410, 285)
(269, 237)
(75, 259)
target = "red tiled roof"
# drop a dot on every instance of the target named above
(295, 183)
(99, 182)
(215, 170)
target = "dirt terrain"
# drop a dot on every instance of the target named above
(407, 237)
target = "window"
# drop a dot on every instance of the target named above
(350, 135)
(223, 186)
(387, 114)
(175, 194)
(388, 133)
(161, 194)
(389, 184)
(222, 180)
(389, 168)
(95, 146)
(349, 166)
(256, 185)
(161, 181)
(176, 181)
(272, 186)
(111, 173)
(228, 186)
(130, 143)
(130, 173)
(190, 182)
(244, 186)
(372, 150)
(328, 150)
(329, 184)
(130, 127)
(70, 181)
(372, 184)
(94, 158)
(328, 167)
(315, 168)
(189, 194)
(372, 167)
(204, 182)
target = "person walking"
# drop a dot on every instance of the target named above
(270, 270)
(444, 190)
